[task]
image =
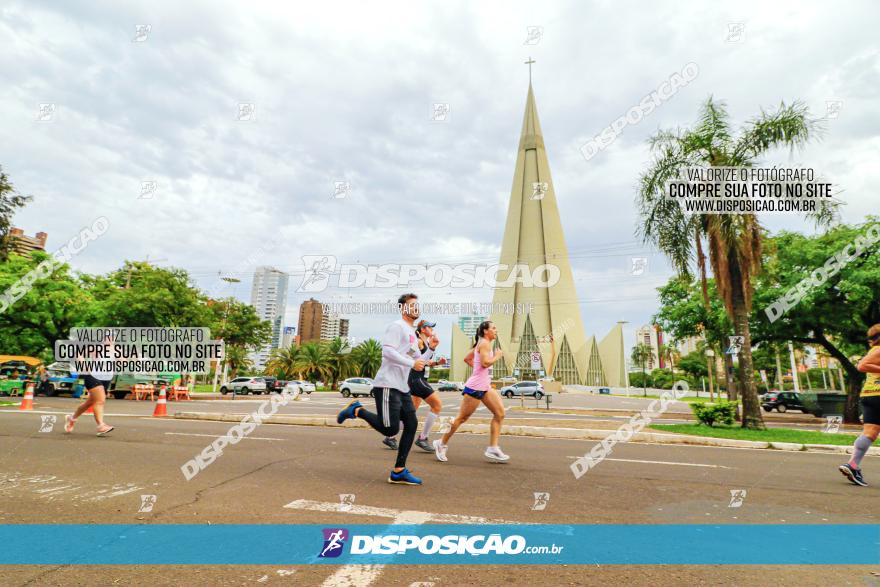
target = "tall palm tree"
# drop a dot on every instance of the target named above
(285, 363)
(238, 360)
(670, 353)
(733, 240)
(641, 354)
(314, 361)
(367, 357)
(339, 360)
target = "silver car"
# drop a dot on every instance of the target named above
(244, 385)
(523, 388)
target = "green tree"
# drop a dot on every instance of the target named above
(314, 361)
(367, 357)
(641, 354)
(339, 360)
(834, 314)
(142, 295)
(238, 360)
(10, 201)
(694, 364)
(669, 352)
(46, 313)
(237, 323)
(733, 240)
(285, 363)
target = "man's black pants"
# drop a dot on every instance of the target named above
(392, 408)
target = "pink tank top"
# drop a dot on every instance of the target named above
(481, 379)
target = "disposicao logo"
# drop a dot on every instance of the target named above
(334, 541)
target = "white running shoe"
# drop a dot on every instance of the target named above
(439, 450)
(494, 453)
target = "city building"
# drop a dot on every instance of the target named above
(269, 298)
(651, 335)
(550, 339)
(311, 316)
(332, 326)
(469, 324)
(25, 245)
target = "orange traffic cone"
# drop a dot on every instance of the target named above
(28, 402)
(91, 409)
(161, 405)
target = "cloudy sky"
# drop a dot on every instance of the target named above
(344, 92)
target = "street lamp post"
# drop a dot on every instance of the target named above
(710, 359)
(794, 375)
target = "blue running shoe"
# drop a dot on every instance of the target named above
(404, 478)
(854, 475)
(348, 412)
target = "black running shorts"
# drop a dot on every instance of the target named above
(419, 387)
(92, 383)
(870, 409)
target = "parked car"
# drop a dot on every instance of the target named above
(532, 388)
(450, 386)
(604, 390)
(356, 386)
(274, 385)
(782, 401)
(245, 385)
(304, 386)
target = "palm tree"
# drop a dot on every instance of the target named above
(367, 357)
(641, 354)
(314, 361)
(284, 363)
(670, 353)
(339, 360)
(733, 240)
(238, 360)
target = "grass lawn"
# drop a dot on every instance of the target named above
(769, 435)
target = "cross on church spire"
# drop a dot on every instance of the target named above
(529, 63)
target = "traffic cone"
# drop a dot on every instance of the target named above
(91, 409)
(27, 403)
(161, 405)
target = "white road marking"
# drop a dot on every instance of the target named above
(363, 575)
(214, 436)
(659, 463)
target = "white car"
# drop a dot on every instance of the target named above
(356, 386)
(304, 386)
(244, 385)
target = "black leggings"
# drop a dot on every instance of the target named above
(392, 408)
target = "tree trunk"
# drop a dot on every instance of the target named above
(751, 413)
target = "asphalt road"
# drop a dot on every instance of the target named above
(49, 477)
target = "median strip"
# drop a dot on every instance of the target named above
(545, 432)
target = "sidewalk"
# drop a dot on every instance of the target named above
(549, 432)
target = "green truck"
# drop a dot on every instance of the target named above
(121, 384)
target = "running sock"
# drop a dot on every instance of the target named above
(860, 447)
(429, 423)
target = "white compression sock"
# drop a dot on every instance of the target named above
(429, 423)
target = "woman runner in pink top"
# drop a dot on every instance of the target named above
(478, 388)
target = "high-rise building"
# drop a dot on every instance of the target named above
(332, 326)
(25, 245)
(651, 335)
(311, 316)
(549, 340)
(469, 324)
(269, 298)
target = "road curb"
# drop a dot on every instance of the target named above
(540, 432)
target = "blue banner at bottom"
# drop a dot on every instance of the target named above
(275, 544)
